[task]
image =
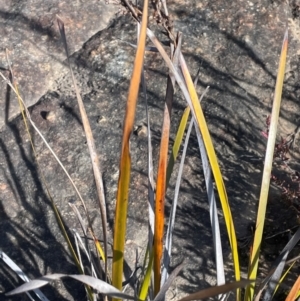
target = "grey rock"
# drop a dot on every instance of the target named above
(30, 33)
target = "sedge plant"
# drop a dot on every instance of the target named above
(155, 277)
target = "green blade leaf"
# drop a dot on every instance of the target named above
(253, 267)
(216, 290)
(125, 161)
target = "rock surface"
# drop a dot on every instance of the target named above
(236, 45)
(30, 33)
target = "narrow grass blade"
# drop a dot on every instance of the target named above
(169, 236)
(267, 169)
(57, 214)
(83, 228)
(164, 3)
(262, 286)
(195, 106)
(21, 274)
(26, 114)
(102, 287)
(213, 213)
(161, 187)
(216, 290)
(179, 135)
(177, 143)
(86, 251)
(99, 285)
(212, 203)
(125, 161)
(78, 251)
(282, 278)
(79, 217)
(161, 174)
(279, 264)
(274, 281)
(151, 193)
(91, 145)
(34, 284)
(180, 81)
(151, 184)
(211, 198)
(99, 248)
(147, 278)
(293, 294)
(161, 294)
(212, 207)
(201, 123)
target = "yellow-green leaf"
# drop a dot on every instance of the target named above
(125, 162)
(177, 142)
(199, 117)
(253, 266)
